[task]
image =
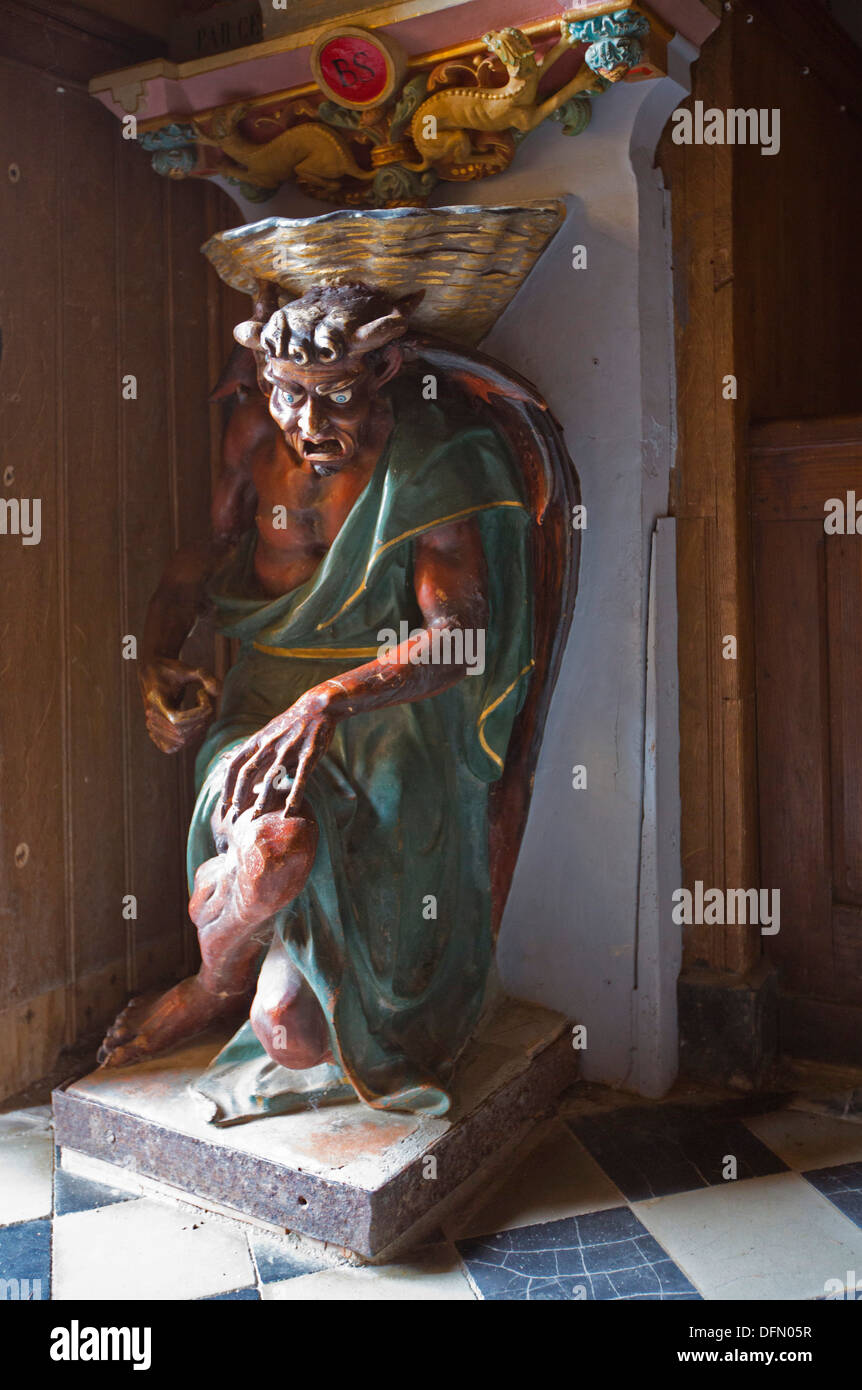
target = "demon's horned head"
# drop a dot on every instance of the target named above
(332, 323)
(322, 361)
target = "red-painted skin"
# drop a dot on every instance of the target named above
(332, 423)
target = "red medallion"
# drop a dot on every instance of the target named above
(354, 68)
(357, 68)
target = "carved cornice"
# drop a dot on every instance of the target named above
(454, 114)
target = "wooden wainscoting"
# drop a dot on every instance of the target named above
(808, 639)
(102, 279)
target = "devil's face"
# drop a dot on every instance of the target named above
(323, 362)
(324, 410)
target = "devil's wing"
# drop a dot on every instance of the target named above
(551, 486)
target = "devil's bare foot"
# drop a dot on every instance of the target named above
(263, 866)
(126, 1024)
(148, 1026)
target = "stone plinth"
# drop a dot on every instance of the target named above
(344, 1173)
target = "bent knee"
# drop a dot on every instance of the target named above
(293, 1033)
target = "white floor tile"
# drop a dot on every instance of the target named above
(806, 1141)
(759, 1239)
(436, 1275)
(557, 1178)
(144, 1249)
(96, 1170)
(24, 1121)
(26, 1161)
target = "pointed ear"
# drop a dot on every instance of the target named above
(248, 334)
(390, 364)
(240, 370)
(265, 300)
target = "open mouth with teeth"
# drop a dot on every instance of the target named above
(324, 449)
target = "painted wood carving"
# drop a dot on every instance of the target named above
(377, 133)
(392, 550)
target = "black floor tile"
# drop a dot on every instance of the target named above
(25, 1260)
(605, 1255)
(274, 1262)
(843, 1186)
(661, 1150)
(74, 1193)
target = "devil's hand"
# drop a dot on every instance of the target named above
(289, 746)
(172, 723)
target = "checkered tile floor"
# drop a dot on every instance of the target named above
(655, 1202)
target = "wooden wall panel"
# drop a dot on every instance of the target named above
(847, 960)
(809, 615)
(70, 43)
(844, 590)
(710, 500)
(102, 279)
(793, 746)
(799, 214)
(768, 281)
(32, 885)
(153, 870)
(168, 947)
(702, 829)
(90, 445)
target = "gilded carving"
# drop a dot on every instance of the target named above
(463, 118)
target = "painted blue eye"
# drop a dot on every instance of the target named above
(288, 397)
(341, 397)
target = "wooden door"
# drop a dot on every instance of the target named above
(808, 632)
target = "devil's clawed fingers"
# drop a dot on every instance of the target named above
(243, 793)
(303, 767)
(239, 760)
(272, 780)
(291, 744)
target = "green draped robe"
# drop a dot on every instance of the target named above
(392, 930)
